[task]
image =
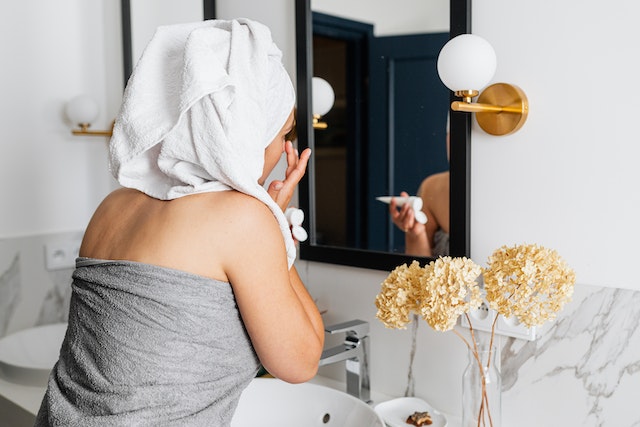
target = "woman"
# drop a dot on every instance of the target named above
(185, 282)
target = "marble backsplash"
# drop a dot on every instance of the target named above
(583, 370)
(10, 292)
(31, 295)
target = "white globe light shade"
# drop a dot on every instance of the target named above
(466, 62)
(322, 95)
(82, 109)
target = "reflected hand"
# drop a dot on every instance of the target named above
(282, 191)
(404, 218)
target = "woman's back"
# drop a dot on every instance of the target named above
(156, 346)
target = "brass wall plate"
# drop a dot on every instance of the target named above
(515, 102)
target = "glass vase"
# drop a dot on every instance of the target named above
(481, 390)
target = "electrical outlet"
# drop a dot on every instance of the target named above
(482, 320)
(61, 254)
(512, 327)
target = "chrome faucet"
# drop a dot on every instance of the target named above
(355, 351)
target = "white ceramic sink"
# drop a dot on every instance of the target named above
(27, 356)
(272, 402)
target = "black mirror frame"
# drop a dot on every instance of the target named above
(209, 12)
(460, 157)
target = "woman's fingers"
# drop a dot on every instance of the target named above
(282, 191)
(297, 166)
(402, 217)
(292, 157)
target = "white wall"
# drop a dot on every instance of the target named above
(49, 180)
(568, 179)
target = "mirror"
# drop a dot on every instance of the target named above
(140, 18)
(382, 111)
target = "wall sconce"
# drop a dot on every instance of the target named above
(323, 98)
(82, 110)
(466, 64)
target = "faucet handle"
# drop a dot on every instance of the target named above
(359, 328)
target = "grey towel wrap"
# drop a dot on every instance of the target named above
(148, 346)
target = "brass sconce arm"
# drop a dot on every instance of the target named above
(501, 108)
(317, 124)
(84, 130)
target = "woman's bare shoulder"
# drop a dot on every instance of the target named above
(234, 206)
(237, 218)
(436, 182)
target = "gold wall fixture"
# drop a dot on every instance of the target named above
(501, 108)
(83, 129)
(468, 62)
(317, 123)
(323, 97)
(81, 111)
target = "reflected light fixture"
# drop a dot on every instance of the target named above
(465, 65)
(82, 110)
(323, 98)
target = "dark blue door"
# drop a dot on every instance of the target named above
(408, 110)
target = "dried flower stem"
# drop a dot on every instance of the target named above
(493, 334)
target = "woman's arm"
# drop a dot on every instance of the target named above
(307, 302)
(280, 316)
(284, 325)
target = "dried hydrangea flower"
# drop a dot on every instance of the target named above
(530, 282)
(399, 296)
(449, 289)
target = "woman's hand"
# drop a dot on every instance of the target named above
(282, 191)
(404, 218)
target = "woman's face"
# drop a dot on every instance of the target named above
(274, 150)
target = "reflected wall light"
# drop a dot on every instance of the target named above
(465, 65)
(323, 98)
(82, 110)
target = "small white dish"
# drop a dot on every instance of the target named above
(396, 411)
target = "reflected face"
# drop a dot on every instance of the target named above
(274, 150)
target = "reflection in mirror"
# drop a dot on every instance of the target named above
(386, 133)
(140, 18)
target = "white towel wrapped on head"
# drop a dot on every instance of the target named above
(201, 106)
